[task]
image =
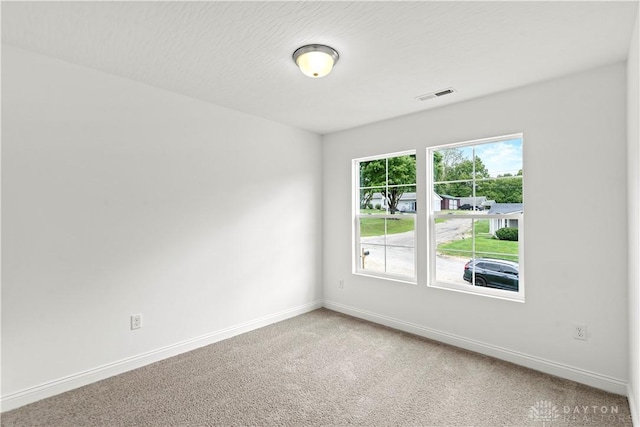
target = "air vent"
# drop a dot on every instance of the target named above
(444, 92)
(436, 94)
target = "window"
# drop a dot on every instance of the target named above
(385, 216)
(476, 243)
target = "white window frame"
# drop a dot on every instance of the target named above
(357, 259)
(433, 215)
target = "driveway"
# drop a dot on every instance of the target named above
(452, 229)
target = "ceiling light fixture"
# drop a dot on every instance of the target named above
(315, 60)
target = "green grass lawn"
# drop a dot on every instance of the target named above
(484, 242)
(375, 226)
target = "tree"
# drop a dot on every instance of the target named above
(450, 158)
(372, 174)
(455, 167)
(438, 166)
(402, 172)
(504, 189)
(391, 177)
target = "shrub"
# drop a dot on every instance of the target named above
(378, 206)
(507, 233)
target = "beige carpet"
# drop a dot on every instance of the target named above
(324, 368)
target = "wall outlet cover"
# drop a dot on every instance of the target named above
(136, 321)
(580, 331)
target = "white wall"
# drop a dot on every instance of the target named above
(633, 162)
(576, 257)
(120, 198)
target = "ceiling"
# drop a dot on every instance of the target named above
(238, 54)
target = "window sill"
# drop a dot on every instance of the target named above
(388, 278)
(483, 292)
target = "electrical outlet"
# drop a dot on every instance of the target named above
(136, 321)
(341, 284)
(580, 331)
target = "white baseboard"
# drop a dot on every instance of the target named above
(633, 407)
(51, 388)
(593, 379)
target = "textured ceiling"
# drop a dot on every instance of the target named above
(238, 54)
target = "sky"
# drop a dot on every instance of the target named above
(499, 157)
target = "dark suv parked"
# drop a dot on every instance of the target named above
(493, 273)
(468, 207)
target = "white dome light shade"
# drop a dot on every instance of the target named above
(315, 60)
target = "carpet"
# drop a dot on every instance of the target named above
(328, 369)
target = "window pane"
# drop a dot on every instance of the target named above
(372, 230)
(483, 178)
(454, 235)
(373, 173)
(493, 273)
(470, 203)
(401, 199)
(454, 247)
(387, 186)
(492, 161)
(401, 260)
(502, 240)
(372, 200)
(500, 190)
(496, 260)
(402, 170)
(501, 158)
(467, 249)
(372, 258)
(451, 269)
(452, 164)
(401, 231)
(388, 245)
